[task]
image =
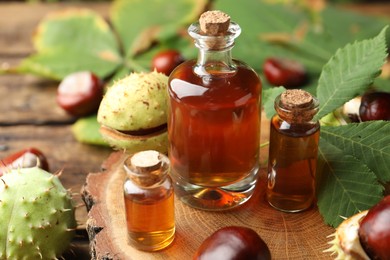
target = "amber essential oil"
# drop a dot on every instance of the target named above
(215, 128)
(149, 202)
(149, 232)
(293, 157)
(214, 123)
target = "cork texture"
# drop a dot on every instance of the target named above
(296, 98)
(296, 106)
(214, 23)
(146, 160)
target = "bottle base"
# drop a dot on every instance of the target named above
(151, 241)
(290, 205)
(216, 198)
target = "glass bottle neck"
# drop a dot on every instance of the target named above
(214, 57)
(215, 62)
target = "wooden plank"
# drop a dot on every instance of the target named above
(30, 100)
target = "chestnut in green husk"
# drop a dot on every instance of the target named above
(133, 113)
(374, 231)
(365, 235)
(233, 243)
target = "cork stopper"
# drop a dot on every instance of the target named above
(214, 23)
(146, 161)
(296, 98)
(296, 106)
(146, 168)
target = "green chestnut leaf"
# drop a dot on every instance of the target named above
(349, 72)
(297, 36)
(61, 40)
(368, 142)
(345, 185)
(86, 130)
(140, 23)
(268, 100)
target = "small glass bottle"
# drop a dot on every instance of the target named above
(149, 201)
(214, 120)
(292, 161)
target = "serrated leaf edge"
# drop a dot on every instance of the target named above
(333, 98)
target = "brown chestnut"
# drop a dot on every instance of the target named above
(80, 93)
(233, 243)
(374, 231)
(166, 61)
(29, 157)
(375, 106)
(284, 72)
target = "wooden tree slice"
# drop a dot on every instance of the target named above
(288, 235)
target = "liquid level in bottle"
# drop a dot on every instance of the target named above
(292, 165)
(150, 221)
(214, 125)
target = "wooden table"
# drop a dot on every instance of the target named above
(29, 116)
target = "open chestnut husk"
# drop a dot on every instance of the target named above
(133, 113)
(365, 235)
(374, 231)
(233, 243)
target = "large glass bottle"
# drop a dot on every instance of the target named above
(214, 121)
(292, 160)
(149, 201)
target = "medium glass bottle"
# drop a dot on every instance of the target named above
(214, 120)
(292, 161)
(149, 201)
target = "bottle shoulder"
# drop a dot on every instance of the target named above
(133, 187)
(186, 71)
(294, 130)
(184, 83)
(148, 194)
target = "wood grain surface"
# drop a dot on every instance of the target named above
(289, 236)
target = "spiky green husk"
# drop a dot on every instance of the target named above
(132, 107)
(136, 102)
(37, 218)
(345, 244)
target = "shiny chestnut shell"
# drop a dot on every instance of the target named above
(374, 231)
(80, 93)
(284, 72)
(28, 157)
(233, 243)
(375, 106)
(166, 61)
